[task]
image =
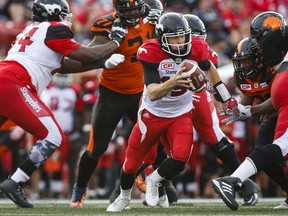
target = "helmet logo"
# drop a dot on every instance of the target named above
(51, 8)
(140, 50)
(273, 23)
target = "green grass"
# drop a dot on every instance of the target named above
(183, 207)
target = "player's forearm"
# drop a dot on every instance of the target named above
(91, 55)
(156, 91)
(264, 108)
(72, 66)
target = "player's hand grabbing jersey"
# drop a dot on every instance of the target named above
(53, 40)
(127, 77)
(179, 100)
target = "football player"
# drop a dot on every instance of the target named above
(206, 122)
(165, 108)
(120, 88)
(157, 154)
(37, 53)
(63, 98)
(271, 33)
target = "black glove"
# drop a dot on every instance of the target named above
(118, 31)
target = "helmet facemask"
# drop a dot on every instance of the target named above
(244, 66)
(174, 34)
(248, 59)
(177, 49)
(130, 12)
(66, 18)
(200, 35)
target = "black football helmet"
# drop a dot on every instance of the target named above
(51, 10)
(265, 22)
(247, 60)
(129, 11)
(197, 26)
(172, 25)
(155, 5)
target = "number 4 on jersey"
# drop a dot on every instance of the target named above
(25, 39)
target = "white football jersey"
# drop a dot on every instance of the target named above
(179, 100)
(176, 102)
(32, 52)
(62, 104)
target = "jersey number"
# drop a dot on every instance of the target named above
(25, 39)
(177, 91)
(131, 42)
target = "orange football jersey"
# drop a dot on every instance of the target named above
(127, 77)
(8, 125)
(260, 88)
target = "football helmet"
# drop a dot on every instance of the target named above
(265, 22)
(155, 5)
(247, 60)
(62, 80)
(197, 26)
(51, 10)
(129, 11)
(173, 25)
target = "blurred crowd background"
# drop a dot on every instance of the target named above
(226, 21)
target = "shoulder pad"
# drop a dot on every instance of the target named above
(102, 24)
(150, 51)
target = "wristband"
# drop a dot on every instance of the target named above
(222, 92)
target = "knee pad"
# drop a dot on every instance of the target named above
(171, 168)
(223, 144)
(266, 156)
(41, 151)
(161, 156)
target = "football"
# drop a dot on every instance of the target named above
(197, 77)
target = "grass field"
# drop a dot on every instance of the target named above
(183, 207)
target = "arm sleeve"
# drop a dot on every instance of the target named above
(60, 39)
(205, 65)
(151, 74)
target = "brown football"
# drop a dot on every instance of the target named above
(197, 77)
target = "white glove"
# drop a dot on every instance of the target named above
(244, 114)
(114, 60)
